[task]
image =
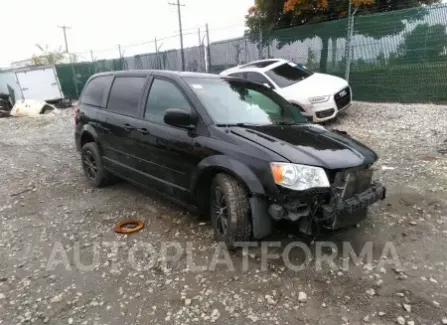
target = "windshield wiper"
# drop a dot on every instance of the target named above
(288, 123)
(237, 124)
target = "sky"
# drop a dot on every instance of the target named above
(102, 25)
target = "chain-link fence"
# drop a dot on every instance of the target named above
(395, 56)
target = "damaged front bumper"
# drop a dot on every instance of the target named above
(342, 213)
(323, 208)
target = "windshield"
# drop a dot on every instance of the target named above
(240, 102)
(288, 74)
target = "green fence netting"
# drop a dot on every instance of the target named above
(398, 56)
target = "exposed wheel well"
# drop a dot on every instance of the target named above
(86, 138)
(203, 185)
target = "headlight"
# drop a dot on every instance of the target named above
(319, 99)
(298, 177)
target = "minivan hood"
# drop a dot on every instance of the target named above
(318, 84)
(309, 144)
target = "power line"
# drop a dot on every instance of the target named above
(180, 28)
(193, 27)
(134, 44)
(227, 27)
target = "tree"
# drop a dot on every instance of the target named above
(380, 59)
(423, 44)
(47, 56)
(310, 59)
(274, 17)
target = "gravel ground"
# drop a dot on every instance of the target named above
(59, 265)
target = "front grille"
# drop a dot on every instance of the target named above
(358, 181)
(344, 100)
(325, 113)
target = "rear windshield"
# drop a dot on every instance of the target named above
(288, 74)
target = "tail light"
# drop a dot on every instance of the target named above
(75, 115)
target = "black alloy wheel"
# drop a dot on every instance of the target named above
(89, 165)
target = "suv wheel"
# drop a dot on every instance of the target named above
(230, 213)
(92, 166)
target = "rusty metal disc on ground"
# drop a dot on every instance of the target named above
(128, 226)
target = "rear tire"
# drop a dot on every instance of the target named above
(92, 166)
(230, 212)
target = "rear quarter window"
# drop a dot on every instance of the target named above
(95, 93)
(126, 94)
(241, 75)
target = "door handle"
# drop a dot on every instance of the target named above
(128, 127)
(143, 131)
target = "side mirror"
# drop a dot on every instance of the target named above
(267, 85)
(179, 117)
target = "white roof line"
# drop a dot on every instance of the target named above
(244, 68)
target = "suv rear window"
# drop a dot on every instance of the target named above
(96, 91)
(125, 95)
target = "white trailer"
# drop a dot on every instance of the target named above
(39, 82)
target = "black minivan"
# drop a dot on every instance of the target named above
(234, 150)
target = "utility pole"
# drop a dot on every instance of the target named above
(201, 54)
(92, 57)
(157, 59)
(178, 5)
(208, 51)
(64, 29)
(119, 51)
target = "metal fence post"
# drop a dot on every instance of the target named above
(245, 50)
(348, 44)
(75, 77)
(349, 40)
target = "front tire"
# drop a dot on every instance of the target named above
(92, 166)
(230, 213)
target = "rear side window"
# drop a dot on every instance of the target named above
(261, 64)
(241, 75)
(96, 91)
(125, 95)
(258, 78)
(288, 74)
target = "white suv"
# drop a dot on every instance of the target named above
(320, 96)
